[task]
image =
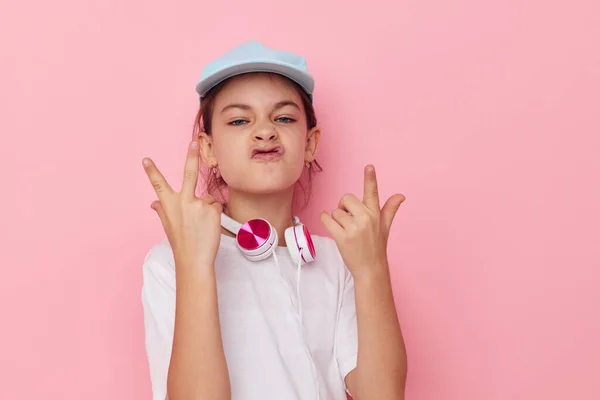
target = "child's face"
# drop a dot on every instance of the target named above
(254, 113)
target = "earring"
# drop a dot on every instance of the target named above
(308, 164)
(214, 170)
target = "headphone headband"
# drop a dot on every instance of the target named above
(231, 225)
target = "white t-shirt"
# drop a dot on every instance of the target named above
(270, 353)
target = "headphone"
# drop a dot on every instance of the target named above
(257, 239)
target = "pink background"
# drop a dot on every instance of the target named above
(484, 114)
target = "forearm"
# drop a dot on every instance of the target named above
(198, 369)
(381, 367)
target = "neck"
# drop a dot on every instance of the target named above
(275, 208)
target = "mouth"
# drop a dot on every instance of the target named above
(267, 153)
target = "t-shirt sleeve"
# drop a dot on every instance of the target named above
(158, 301)
(347, 332)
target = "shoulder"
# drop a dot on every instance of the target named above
(324, 243)
(161, 252)
(328, 253)
(159, 262)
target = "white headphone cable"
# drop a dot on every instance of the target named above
(299, 316)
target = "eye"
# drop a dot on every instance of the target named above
(238, 122)
(285, 120)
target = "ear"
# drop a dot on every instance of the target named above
(206, 149)
(312, 143)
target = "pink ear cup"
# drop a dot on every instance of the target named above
(300, 244)
(257, 239)
(310, 250)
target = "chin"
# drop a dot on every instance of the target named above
(268, 185)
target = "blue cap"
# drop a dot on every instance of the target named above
(252, 56)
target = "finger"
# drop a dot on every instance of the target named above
(207, 198)
(157, 206)
(218, 206)
(389, 210)
(158, 181)
(352, 204)
(342, 217)
(190, 172)
(371, 193)
(334, 229)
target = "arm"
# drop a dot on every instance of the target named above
(198, 369)
(361, 231)
(381, 366)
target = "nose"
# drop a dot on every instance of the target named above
(266, 132)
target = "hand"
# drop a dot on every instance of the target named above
(192, 224)
(361, 229)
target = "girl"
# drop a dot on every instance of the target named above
(240, 301)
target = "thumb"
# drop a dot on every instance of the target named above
(389, 210)
(157, 206)
(334, 229)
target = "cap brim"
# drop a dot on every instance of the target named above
(303, 79)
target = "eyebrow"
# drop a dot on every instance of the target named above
(279, 105)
